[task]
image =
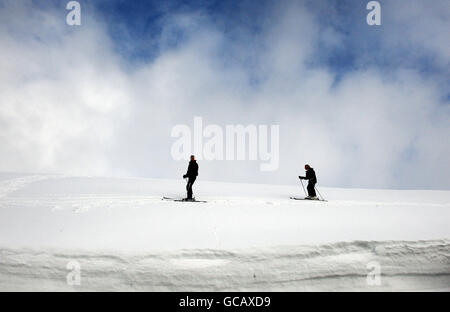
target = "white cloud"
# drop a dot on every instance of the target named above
(67, 103)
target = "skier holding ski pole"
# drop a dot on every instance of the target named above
(312, 180)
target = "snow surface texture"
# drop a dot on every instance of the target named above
(246, 237)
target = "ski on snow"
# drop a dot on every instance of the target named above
(301, 198)
(204, 201)
(183, 200)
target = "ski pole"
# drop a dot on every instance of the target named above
(303, 187)
(319, 192)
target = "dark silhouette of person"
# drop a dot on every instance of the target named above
(312, 180)
(191, 174)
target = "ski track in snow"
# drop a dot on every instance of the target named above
(8, 186)
(58, 209)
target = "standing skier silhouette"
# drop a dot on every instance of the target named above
(312, 180)
(191, 174)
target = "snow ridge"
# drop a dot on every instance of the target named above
(404, 265)
(8, 186)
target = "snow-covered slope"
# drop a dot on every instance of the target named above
(247, 237)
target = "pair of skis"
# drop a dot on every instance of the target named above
(300, 198)
(183, 200)
(203, 201)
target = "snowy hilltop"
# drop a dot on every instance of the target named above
(118, 234)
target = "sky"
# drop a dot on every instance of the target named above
(366, 106)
